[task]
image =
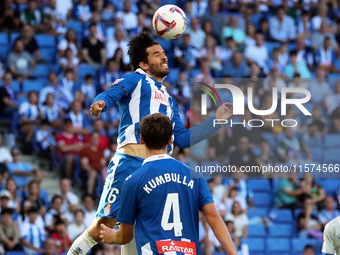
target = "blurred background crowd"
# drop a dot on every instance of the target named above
(57, 55)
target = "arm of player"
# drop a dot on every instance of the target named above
(185, 138)
(328, 247)
(121, 236)
(219, 228)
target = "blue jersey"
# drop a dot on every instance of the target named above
(139, 95)
(163, 199)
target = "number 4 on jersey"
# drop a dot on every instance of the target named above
(172, 201)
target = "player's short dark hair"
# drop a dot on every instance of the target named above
(156, 130)
(137, 48)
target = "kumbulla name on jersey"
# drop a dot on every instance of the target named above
(153, 183)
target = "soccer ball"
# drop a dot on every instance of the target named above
(169, 21)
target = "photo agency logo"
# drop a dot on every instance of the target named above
(239, 104)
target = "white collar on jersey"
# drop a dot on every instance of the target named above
(156, 157)
(141, 71)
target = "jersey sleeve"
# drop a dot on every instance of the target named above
(328, 241)
(128, 202)
(205, 196)
(185, 138)
(120, 88)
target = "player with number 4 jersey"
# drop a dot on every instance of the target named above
(163, 197)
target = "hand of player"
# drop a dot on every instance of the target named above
(97, 107)
(223, 112)
(107, 234)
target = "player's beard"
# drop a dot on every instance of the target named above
(156, 71)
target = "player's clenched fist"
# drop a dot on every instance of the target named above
(97, 107)
(107, 234)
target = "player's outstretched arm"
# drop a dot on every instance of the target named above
(219, 228)
(328, 247)
(111, 236)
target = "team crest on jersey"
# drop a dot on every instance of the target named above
(107, 209)
(116, 81)
(159, 97)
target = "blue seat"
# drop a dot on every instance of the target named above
(48, 54)
(194, 73)
(255, 19)
(3, 39)
(262, 199)
(272, 45)
(280, 230)
(16, 86)
(298, 244)
(332, 140)
(22, 99)
(12, 37)
(291, 46)
(317, 153)
(281, 215)
(16, 253)
(54, 68)
(45, 41)
(256, 212)
(276, 183)
(41, 71)
(173, 75)
(29, 85)
(337, 63)
(77, 26)
(269, 137)
(258, 185)
(278, 245)
(256, 230)
(3, 53)
(255, 245)
(331, 155)
(331, 186)
(85, 69)
(166, 44)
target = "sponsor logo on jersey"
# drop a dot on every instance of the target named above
(118, 80)
(159, 97)
(176, 246)
(107, 209)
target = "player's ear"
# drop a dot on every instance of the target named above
(141, 140)
(143, 66)
(170, 141)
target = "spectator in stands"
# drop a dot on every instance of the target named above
(322, 17)
(274, 61)
(304, 53)
(329, 212)
(29, 115)
(308, 250)
(308, 223)
(318, 37)
(93, 50)
(228, 52)
(70, 200)
(128, 17)
(70, 41)
(92, 161)
(14, 202)
(62, 97)
(32, 15)
(196, 33)
(240, 220)
(21, 171)
(9, 17)
(32, 235)
(235, 68)
(60, 235)
(89, 90)
(335, 127)
(45, 139)
(212, 54)
(258, 52)
(332, 101)
(83, 11)
(314, 190)
(118, 42)
(88, 208)
(58, 18)
(274, 79)
(33, 196)
(186, 55)
(110, 75)
(30, 44)
(50, 247)
(217, 19)
(5, 197)
(101, 30)
(319, 87)
(68, 147)
(287, 194)
(52, 112)
(198, 8)
(220, 206)
(250, 35)
(79, 119)
(284, 54)
(77, 228)
(98, 126)
(70, 62)
(9, 232)
(325, 57)
(56, 213)
(312, 136)
(243, 156)
(205, 74)
(231, 196)
(182, 88)
(318, 119)
(8, 99)
(264, 29)
(5, 155)
(281, 26)
(296, 66)
(19, 62)
(47, 26)
(233, 31)
(67, 82)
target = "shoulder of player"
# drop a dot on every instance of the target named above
(130, 79)
(332, 225)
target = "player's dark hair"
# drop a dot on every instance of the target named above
(156, 130)
(137, 48)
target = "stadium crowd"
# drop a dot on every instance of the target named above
(57, 55)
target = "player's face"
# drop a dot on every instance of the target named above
(157, 61)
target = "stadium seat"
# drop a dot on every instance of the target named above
(298, 244)
(41, 71)
(45, 41)
(257, 212)
(281, 215)
(16, 86)
(48, 55)
(317, 153)
(3, 39)
(256, 230)
(29, 85)
(85, 69)
(291, 46)
(3, 53)
(262, 199)
(173, 75)
(332, 140)
(269, 137)
(278, 245)
(255, 245)
(22, 99)
(77, 26)
(280, 230)
(331, 186)
(258, 185)
(166, 44)
(255, 19)
(194, 73)
(54, 68)
(331, 155)
(272, 45)
(16, 253)
(12, 37)
(276, 183)
(337, 63)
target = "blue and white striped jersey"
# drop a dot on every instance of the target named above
(138, 95)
